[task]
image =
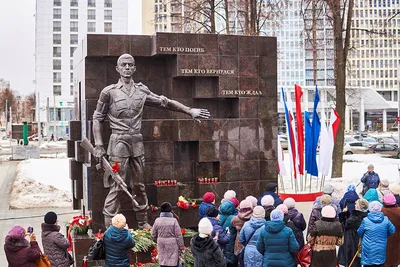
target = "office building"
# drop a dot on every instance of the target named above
(60, 26)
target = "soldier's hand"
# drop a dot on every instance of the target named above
(99, 152)
(198, 113)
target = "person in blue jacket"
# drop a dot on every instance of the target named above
(374, 232)
(370, 179)
(118, 242)
(219, 234)
(249, 236)
(277, 242)
(372, 195)
(227, 210)
(208, 203)
(349, 199)
(272, 190)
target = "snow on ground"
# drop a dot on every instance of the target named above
(41, 183)
(48, 145)
(354, 166)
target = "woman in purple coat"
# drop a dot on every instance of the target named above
(297, 219)
(20, 252)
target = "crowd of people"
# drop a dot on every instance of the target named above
(355, 230)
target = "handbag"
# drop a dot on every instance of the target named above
(43, 261)
(97, 251)
(70, 259)
(304, 255)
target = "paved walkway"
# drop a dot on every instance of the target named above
(24, 218)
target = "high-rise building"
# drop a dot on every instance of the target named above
(60, 26)
(376, 37)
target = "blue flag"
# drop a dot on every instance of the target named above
(308, 141)
(315, 131)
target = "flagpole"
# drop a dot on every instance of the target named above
(281, 180)
(310, 181)
(305, 181)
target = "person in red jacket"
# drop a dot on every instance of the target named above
(20, 252)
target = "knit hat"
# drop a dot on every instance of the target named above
(395, 189)
(328, 212)
(271, 187)
(119, 221)
(283, 208)
(205, 228)
(245, 204)
(351, 188)
(384, 183)
(50, 218)
(290, 203)
(258, 212)
(253, 200)
(229, 194)
(17, 232)
(276, 215)
(166, 207)
(389, 199)
(235, 201)
(267, 201)
(362, 204)
(326, 200)
(375, 206)
(212, 212)
(209, 197)
(328, 189)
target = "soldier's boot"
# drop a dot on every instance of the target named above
(142, 219)
(107, 221)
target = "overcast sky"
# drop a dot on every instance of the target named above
(17, 41)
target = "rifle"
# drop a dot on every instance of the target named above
(115, 175)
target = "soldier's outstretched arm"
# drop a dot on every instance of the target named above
(163, 102)
(98, 117)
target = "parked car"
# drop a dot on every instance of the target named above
(370, 140)
(33, 137)
(388, 140)
(348, 139)
(356, 147)
(65, 137)
(387, 149)
(284, 141)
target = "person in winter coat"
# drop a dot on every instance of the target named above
(328, 190)
(206, 252)
(349, 199)
(370, 179)
(395, 189)
(351, 221)
(218, 232)
(298, 220)
(372, 195)
(20, 252)
(324, 239)
(208, 203)
(392, 212)
(244, 215)
(118, 242)
(55, 245)
(227, 210)
(167, 232)
(228, 195)
(267, 202)
(316, 212)
(383, 189)
(272, 190)
(249, 235)
(277, 242)
(374, 232)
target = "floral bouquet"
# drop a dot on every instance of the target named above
(80, 224)
(186, 257)
(183, 203)
(143, 240)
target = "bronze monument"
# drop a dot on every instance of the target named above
(123, 104)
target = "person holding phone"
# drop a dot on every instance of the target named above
(19, 251)
(370, 179)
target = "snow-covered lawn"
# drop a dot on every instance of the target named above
(354, 166)
(41, 183)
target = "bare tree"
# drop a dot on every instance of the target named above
(7, 95)
(29, 107)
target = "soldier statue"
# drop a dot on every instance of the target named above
(123, 104)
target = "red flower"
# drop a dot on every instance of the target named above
(194, 205)
(89, 222)
(183, 205)
(183, 231)
(139, 264)
(115, 167)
